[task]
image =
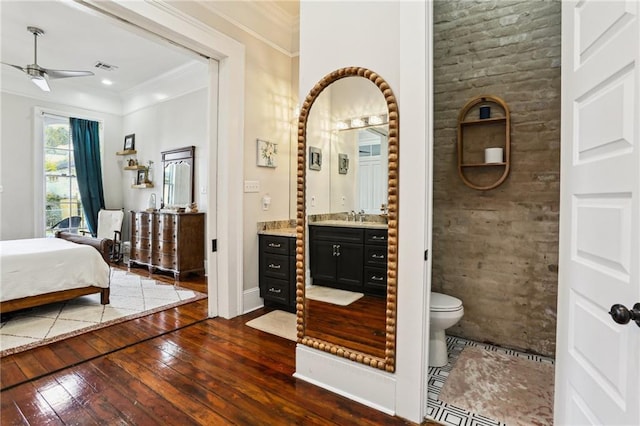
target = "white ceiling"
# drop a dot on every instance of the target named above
(76, 38)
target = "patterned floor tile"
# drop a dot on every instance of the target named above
(448, 414)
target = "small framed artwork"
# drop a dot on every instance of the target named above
(130, 142)
(142, 177)
(343, 164)
(315, 158)
(267, 154)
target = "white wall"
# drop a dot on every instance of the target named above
(397, 51)
(175, 123)
(17, 155)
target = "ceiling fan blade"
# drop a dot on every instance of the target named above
(15, 66)
(65, 73)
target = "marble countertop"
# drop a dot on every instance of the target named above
(279, 232)
(350, 224)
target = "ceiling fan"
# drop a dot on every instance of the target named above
(39, 75)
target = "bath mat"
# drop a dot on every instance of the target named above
(476, 385)
(280, 323)
(332, 295)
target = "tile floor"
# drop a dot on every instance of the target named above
(448, 414)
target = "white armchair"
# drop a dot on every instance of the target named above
(110, 226)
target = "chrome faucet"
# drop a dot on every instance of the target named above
(351, 216)
(361, 215)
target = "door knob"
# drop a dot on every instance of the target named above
(622, 315)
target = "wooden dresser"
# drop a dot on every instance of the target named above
(172, 242)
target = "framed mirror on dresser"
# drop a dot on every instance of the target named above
(171, 239)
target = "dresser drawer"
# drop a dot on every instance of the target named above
(141, 255)
(336, 233)
(275, 290)
(276, 245)
(167, 261)
(166, 248)
(375, 279)
(376, 236)
(375, 255)
(143, 244)
(275, 265)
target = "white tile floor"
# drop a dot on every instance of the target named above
(130, 295)
(448, 414)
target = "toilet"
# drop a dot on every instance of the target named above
(444, 312)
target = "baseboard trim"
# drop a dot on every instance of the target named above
(366, 385)
(251, 300)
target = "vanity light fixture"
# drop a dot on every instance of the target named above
(360, 122)
(375, 120)
(342, 125)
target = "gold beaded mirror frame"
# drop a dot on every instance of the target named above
(388, 362)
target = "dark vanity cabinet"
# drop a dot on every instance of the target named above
(349, 258)
(277, 275)
(375, 261)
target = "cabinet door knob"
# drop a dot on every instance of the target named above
(275, 290)
(374, 278)
(377, 256)
(274, 266)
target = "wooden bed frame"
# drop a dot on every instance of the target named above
(102, 245)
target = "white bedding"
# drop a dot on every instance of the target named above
(36, 266)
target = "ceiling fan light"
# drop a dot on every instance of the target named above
(41, 82)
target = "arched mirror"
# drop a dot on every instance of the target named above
(177, 177)
(347, 218)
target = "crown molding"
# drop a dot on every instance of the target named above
(264, 20)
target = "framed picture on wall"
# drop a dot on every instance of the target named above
(315, 158)
(267, 154)
(130, 142)
(142, 177)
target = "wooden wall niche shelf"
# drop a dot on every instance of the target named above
(475, 134)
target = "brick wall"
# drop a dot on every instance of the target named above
(497, 250)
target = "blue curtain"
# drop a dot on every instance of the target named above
(86, 152)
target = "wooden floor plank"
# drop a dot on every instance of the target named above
(26, 407)
(152, 404)
(174, 367)
(23, 366)
(161, 381)
(99, 390)
(65, 405)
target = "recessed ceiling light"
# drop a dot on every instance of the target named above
(107, 82)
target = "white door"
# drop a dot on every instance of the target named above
(598, 361)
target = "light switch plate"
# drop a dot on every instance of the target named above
(251, 186)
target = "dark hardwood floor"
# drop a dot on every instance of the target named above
(359, 326)
(171, 367)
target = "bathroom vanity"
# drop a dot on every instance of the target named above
(349, 255)
(277, 273)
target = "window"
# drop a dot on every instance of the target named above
(62, 205)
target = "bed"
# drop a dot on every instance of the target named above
(37, 271)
